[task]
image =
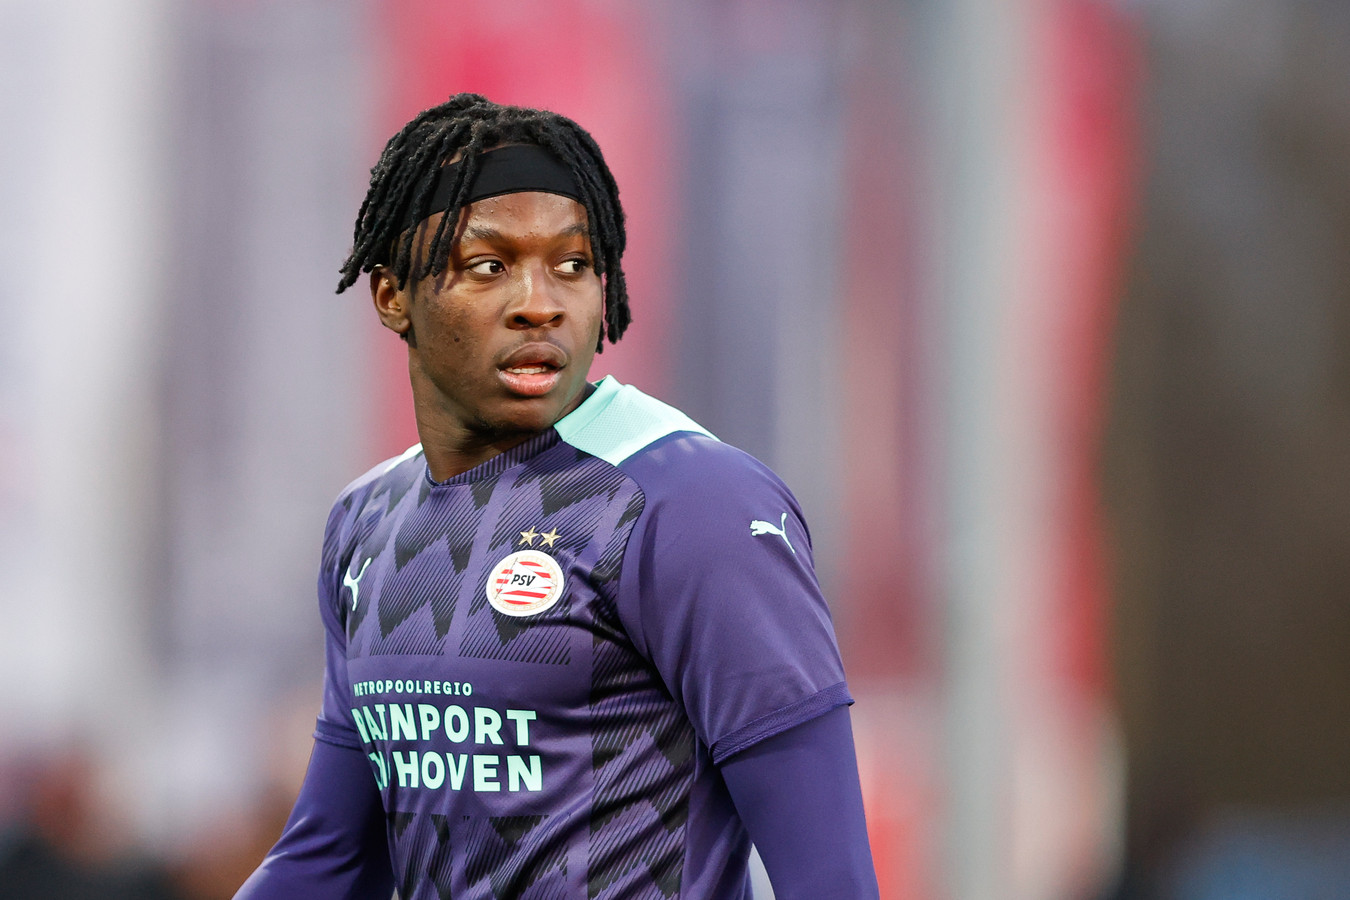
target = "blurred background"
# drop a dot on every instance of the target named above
(1040, 307)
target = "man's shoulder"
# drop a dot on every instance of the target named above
(399, 471)
(658, 446)
(694, 464)
(618, 421)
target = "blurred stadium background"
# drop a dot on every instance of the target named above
(1041, 308)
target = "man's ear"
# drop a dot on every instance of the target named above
(390, 302)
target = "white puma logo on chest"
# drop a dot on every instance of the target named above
(354, 584)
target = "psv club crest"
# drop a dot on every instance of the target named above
(525, 583)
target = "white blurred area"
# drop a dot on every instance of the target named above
(85, 229)
(178, 183)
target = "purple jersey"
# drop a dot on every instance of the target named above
(545, 657)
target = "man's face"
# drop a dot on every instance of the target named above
(503, 339)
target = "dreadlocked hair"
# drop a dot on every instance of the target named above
(403, 180)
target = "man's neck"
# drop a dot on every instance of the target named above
(452, 449)
(453, 452)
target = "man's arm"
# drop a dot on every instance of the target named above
(799, 797)
(334, 845)
(718, 589)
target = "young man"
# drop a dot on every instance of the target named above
(576, 648)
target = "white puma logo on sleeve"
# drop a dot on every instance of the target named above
(759, 526)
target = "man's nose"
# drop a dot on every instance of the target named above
(537, 302)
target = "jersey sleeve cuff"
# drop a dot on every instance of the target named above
(781, 720)
(337, 735)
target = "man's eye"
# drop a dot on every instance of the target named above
(573, 266)
(487, 267)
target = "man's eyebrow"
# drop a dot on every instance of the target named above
(492, 235)
(480, 233)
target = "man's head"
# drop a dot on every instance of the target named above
(413, 181)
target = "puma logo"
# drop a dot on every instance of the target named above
(354, 584)
(759, 526)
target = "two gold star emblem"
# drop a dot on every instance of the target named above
(548, 537)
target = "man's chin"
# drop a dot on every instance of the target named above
(525, 418)
(539, 413)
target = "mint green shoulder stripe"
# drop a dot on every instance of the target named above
(405, 455)
(618, 420)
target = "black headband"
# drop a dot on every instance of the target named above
(507, 170)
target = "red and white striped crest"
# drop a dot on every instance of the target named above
(525, 583)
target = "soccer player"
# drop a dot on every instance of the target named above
(575, 644)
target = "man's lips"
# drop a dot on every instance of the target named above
(533, 369)
(534, 355)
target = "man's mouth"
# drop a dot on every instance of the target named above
(530, 377)
(533, 369)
